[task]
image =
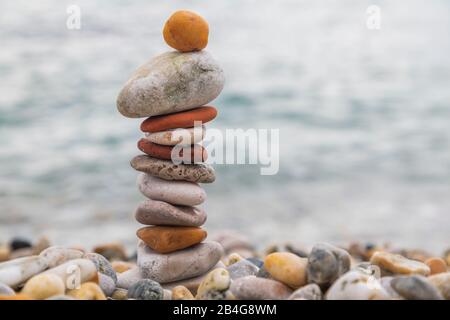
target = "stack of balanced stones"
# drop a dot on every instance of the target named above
(171, 91)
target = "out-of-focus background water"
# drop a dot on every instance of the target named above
(364, 119)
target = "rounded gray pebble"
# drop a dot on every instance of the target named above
(146, 289)
(241, 269)
(106, 284)
(415, 287)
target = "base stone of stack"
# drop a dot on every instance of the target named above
(179, 265)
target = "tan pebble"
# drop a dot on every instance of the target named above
(287, 268)
(4, 253)
(233, 258)
(122, 266)
(181, 293)
(397, 264)
(44, 286)
(87, 291)
(120, 294)
(436, 265)
(214, 286)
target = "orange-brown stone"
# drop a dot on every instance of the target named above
(437, 265)
(183, 119)
(196, 152)
(169, 239)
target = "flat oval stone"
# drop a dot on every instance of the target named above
(153, 212)
(415, 287)
(58, 255)
(167, 170)
(356, 285)
(178, 265)
(253, 288)
(170, 239)
(397, 264)
(181, 136)
(183, 119)
(15, 272)
(185, 154)
(182, 193)
(171, 82)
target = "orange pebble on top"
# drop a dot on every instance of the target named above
(186, 31)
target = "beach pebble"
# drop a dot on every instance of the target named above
(153, 212)
(309, 292)
(326, 263)
(5, 252)
(19, 243)
(183, 119)
(181, 154)
(87, 291)
(242, 268)
(415, 287)
(112, 251)
(146, 289)
(193, 283)
(186, 31)
(171, 82)
(171, 137)
(442, 282)
(121, 266)
(107, 284)
(6, 290)
(126, 279)
(43, 286)
(181, 293)
(253, 288)
(169, 239)
(391, 263)
(178, 265)
(436, 265)
(120, 294)
(102, 264)
(16, 272)
(165, 169)
(182, 193)
(386, 283)
(215, 286)
(287, 268)
(74, 272)
(58, 255)
(356, 285)
(233, 258)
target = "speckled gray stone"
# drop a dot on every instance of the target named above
(171, 82)
(178, 265)
(107, 284)
(146, 289)
(102, 264)
(415, 287)
(183, 193)
(241, 269)
(165, 169)
(309, 292)
(152, 212)
(326, 263)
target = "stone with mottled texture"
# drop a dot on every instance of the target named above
(253, 288)
(215, 286)
(178, 265)
(146, 289)
(171, 82)
(415, 287)
(391, 263)
(57, 255)
(242, 268)
(152, 212)
(167, 170)
(309, 292)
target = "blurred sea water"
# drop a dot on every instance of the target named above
(364, 119)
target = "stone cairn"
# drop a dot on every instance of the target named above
(171, 90)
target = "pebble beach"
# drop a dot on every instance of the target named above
(172, 254)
